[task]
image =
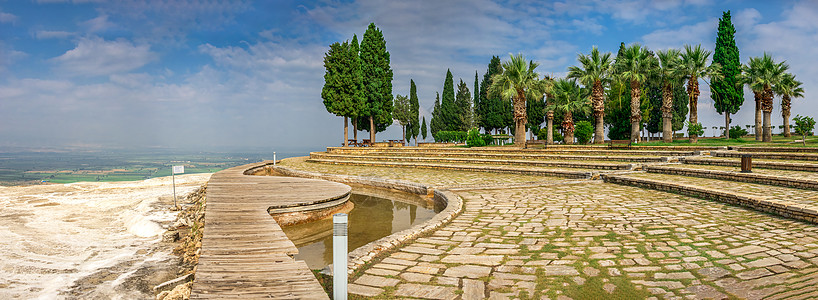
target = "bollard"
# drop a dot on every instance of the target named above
(746, 163)
(274, 159)
(339, 256)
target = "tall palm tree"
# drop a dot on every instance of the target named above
(518, 82)
(694, 66)
(669, 61)
(762, 74)
(596, 68)
(788, 88)
(750, 72)
(635, 65)
(569, 98)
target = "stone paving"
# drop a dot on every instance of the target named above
(585, 239)
(574, 241)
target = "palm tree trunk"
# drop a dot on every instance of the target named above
(785, 113)
(372, 130)
(693, 94)
(346, 131)
(767, 108)
(568, 127)
(599, 112)
(519, 120)
(667, 113)
(636, 113)
(550, 127)
(759, 126)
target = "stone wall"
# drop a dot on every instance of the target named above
(776, 165)
(326, 156)
(494, 169)
(782, 208)
(736, 176)
(784, 156)
(361, 256)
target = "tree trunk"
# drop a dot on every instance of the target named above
(355, 128)
(549, 124)
(759, 126)
(519, 119)
(636, 113)
(568, 128)
(599, 112)
(693, 94)
(726, 125)
(403, 136)
(667, 113)
(767, 108)
(372, 130)
(785, 113)
(346, 131)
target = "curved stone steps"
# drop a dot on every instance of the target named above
(509, 156)
(406, 151)
(533, 163)
(806, 181)
(769, 155)
(463, 167)
(757, 163)
(803, 208)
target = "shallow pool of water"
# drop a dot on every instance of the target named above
(377, 213)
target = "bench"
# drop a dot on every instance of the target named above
(619, 144)
(365, 143)
(352, 143)
(393, 143)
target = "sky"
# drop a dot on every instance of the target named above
(210, 75)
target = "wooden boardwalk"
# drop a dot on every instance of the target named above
(245, 254)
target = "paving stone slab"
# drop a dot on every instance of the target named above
(426, 291)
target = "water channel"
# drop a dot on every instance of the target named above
(377, 213)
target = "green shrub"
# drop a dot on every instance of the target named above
(583, 131)
(450, 136)
(487, 139)
(558, 136)
(474, 138)
(542, 133)
(737, 132)
(694, 129)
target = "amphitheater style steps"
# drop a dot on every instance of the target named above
(599, 165)
(777, 149)
(792, 179)
(506, 156)
(757, 163)
(497, 150)
(574, 174)
(787, 202)
(769, 155)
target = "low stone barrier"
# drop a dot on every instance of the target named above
(782, 208)
(538, 156)
(550, 150)
(770, 155)
(601, 166)
(777, 149)
(736, 176)
(775, 165)
(362, 255)
(506, 170)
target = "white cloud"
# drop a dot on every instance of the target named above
(47, 34)
(7, 17)
(702, 32)
(95, 56)
(98, 24)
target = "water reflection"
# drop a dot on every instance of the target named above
(373, 217)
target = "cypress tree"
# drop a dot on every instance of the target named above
(680, 109)
(617, 110)
(491, 107)
(341, 92)
(377, 75)
(413, 99)
(535, 111)
(727, 93)
(423, 128)
(462, 108)
(436, 124)
(447, 105)
(358, 104)
(475, 113)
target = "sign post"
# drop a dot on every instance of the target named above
(175, 170)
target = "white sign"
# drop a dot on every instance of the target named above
(178, 169)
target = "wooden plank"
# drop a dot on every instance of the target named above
(245, 254)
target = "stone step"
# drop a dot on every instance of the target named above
(774, 204)
(763, 164)
(769, 155)
(767, 179)
(462, 167)
(537, 163)
(776, 149)
(601, 151)
(507, 156)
